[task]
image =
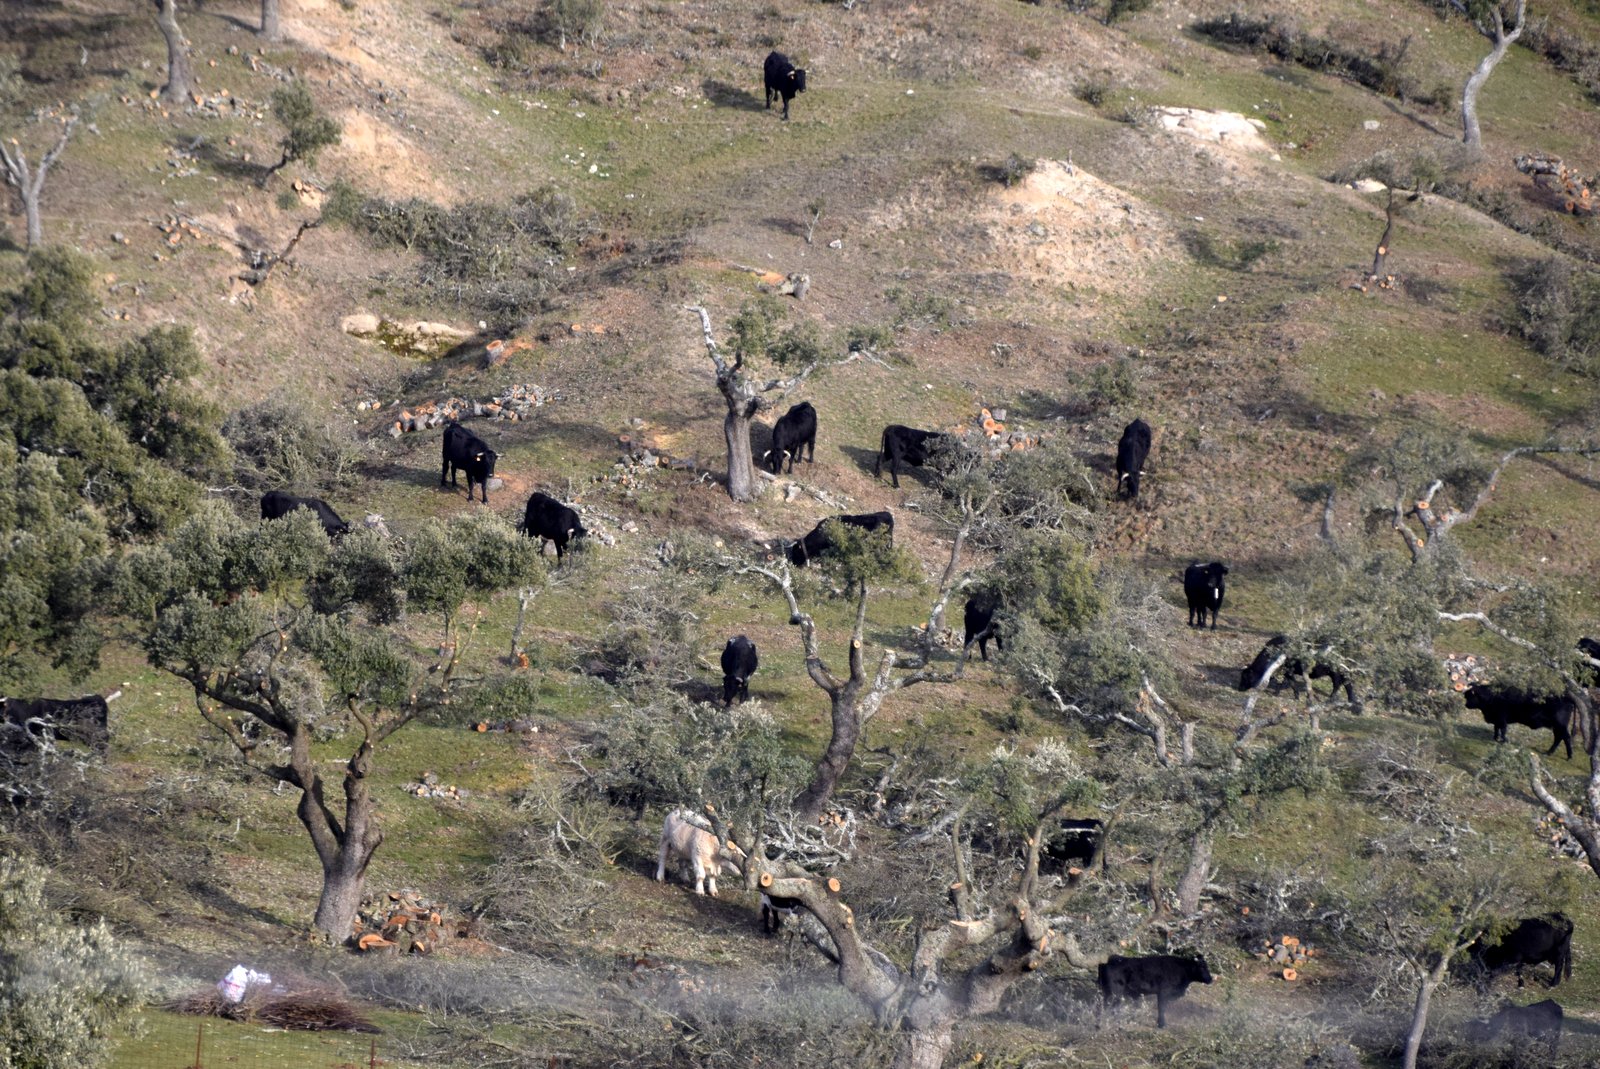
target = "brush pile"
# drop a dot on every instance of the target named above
(304, 1011)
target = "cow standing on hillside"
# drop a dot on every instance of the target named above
(1502, 705)
(1203, 588)
(1166, 976)
(907, 445)
(1132, 449)
(466, 451)
(276, 504)
(816, 542)
(549, 520)
(795, 431)
(1534, 941)
(783, 79)
(977, 620)
(739, 663)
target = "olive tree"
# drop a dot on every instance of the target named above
(1502, 22)
(280, 633)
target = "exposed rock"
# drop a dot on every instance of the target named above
(360, 324)
(1222, 127)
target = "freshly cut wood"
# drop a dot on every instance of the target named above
(765, 880)
(833, 885)
(1290, 974)
(372, 940)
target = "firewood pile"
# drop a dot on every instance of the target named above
(1288, 955)
(989, 432)
(1577, 188)
(403, 922)
(430, 787)
(1555, 834)
(514, 404)
(515, 727)
(1464, 670)
(304, 1011)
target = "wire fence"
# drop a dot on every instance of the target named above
(174, 1041)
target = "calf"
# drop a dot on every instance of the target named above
(549, 520)
(1294, 669)
(1077, 841)
(1534, 940)
(1504, 705)
(977, 620)
(1132, 449)
(466, 451)
(817, 542)
(84, 720)
(783, 79)
(1203, 587)
(907, 445)
(795, 430)
(1166, 976)
(1535, 1020)
(738, 665)
(700, 848)
(772, 908)
(275, 504)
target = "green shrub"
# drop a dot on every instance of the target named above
(580, 20)
(1558, 311)
(66, 992)
(306, 130)
(285, 444)
(1120, 9)
(1013, 169)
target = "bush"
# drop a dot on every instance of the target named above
(306, 130)
(1120, 9)
(1558, 311)
(65, 991)
(1281, 36)
(581, 20)
(1013, 169)
(283, 444)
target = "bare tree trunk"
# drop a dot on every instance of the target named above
(180, 76)
(270, 30)
(29, 182)
(1492, 26)
(1382, 254)
(1419, 1015)
(1193, 881)
(836, 758)
(736, 429)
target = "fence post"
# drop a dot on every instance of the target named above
(199, 1033)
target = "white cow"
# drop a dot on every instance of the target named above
(700, 848)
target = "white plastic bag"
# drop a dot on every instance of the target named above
(238, 981)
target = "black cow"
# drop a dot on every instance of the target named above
(549, 520)
(794, 431)
(783, 79)
(1535, 1020)
(772, 906)
(817, 542)
(275, 504)
(1533, 941)
(907, 445)
(738, 665)
(1503, 705)
(466, 451)
(1076, 842)
(1294, 669)
(1166, 976)
(1132, 448)
(977, 620)
(1588, 673)
(84, 720)
(1204, 587)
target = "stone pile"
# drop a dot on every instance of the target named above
(430, 787)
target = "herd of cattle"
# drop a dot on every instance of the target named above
(1533, 941)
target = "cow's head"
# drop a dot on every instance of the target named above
(797, 554)
(486, 459)
(798, 75)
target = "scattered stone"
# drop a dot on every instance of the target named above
(1370, 124)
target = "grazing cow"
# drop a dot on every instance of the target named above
(1132, 449)
(1535, 1020)
(1503, 705)
(907, 445)
(817, 542)
(549, 520)
(1076, 842)
(466, 451)
(275, 504)
(1294, 669)
(738, 665)
(772, 906)
(700, 848)
(1534, 940)
(783, 79)
(1203, 587)
(977, 620)
(1166, 976)
(795, 430)
(84, 720)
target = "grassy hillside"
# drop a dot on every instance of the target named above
(1213, 288)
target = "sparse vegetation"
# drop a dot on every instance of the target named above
(1558, 311)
